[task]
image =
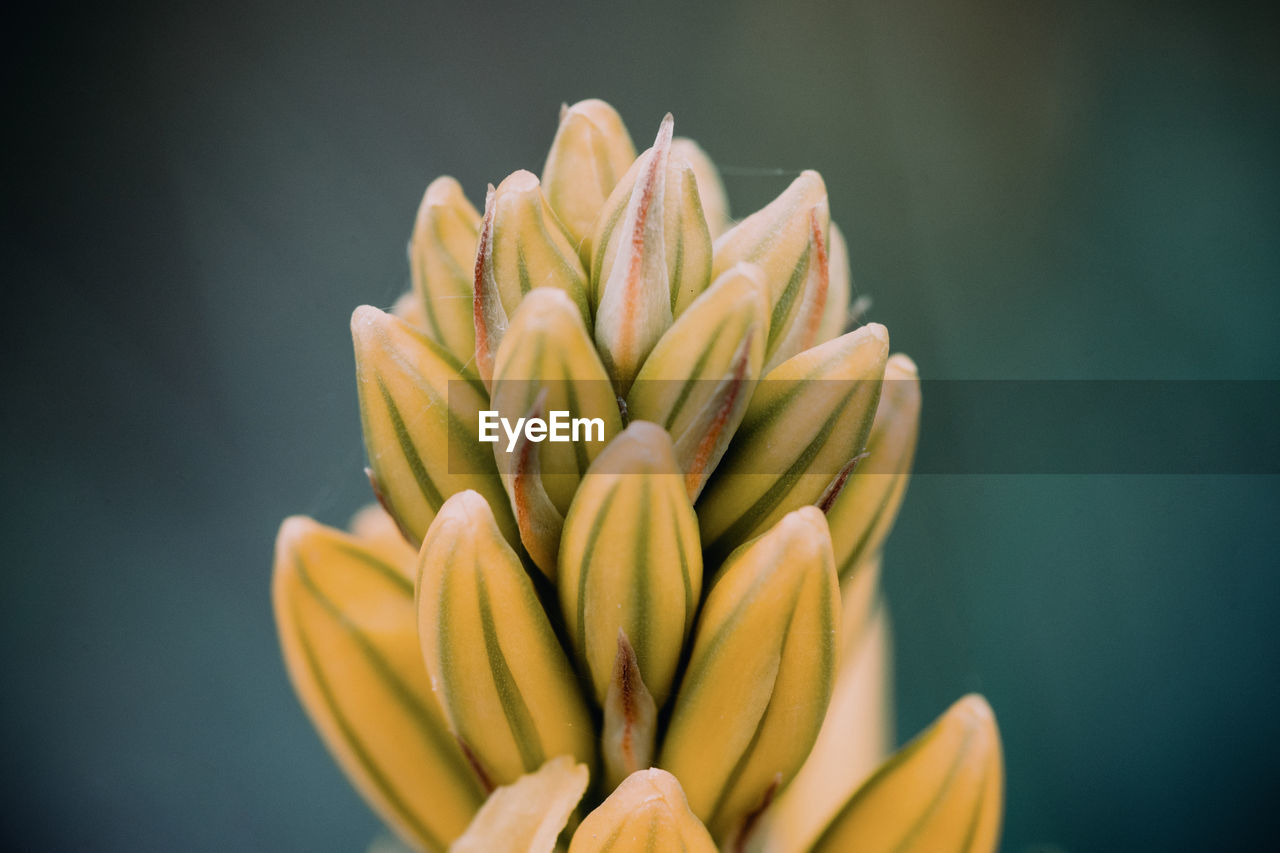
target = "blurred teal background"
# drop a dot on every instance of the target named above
(197, 195)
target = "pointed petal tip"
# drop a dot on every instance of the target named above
(547, 307)
(586, 106)
(442, 191)
(365, 318)
(643, 447)
(876, 331)
(666, 132)
(465, 505)
(974, 710)
(812, 177)
(902, 366)
(296, 526)
(804, 523)
(520, 181)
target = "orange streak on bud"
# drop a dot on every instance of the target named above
(695, 476)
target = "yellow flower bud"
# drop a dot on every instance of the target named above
(651, 256)
(835, 317)
(760, 675)
(787, 239)
(647, 812)
(528, 815)
(508, 691)
(863, 512)
(698, 380)
(942, 791)
(418, 410)
(630, 560)
(348, 632)
(548, 349)
(442, 256)
(715, 203)
(807, 418)
(523, 247)
(591, 152)
(856, 736)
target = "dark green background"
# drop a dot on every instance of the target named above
(198, 194)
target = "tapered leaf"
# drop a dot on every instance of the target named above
(652, 257)
(630, 718)
(715, 203)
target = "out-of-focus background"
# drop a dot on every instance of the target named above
(197, 195)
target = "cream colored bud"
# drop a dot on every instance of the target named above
(523, 247)
(630, 560)
(442, 253)
(651, 256)
(807, 419)
(349, 636)
(508, 691)
(417, 407)
(788, 240)
(698, 380)
(528, 815)
(756, 689)
(591, 152)
(943, 790)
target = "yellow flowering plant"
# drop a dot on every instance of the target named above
(663, 633)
